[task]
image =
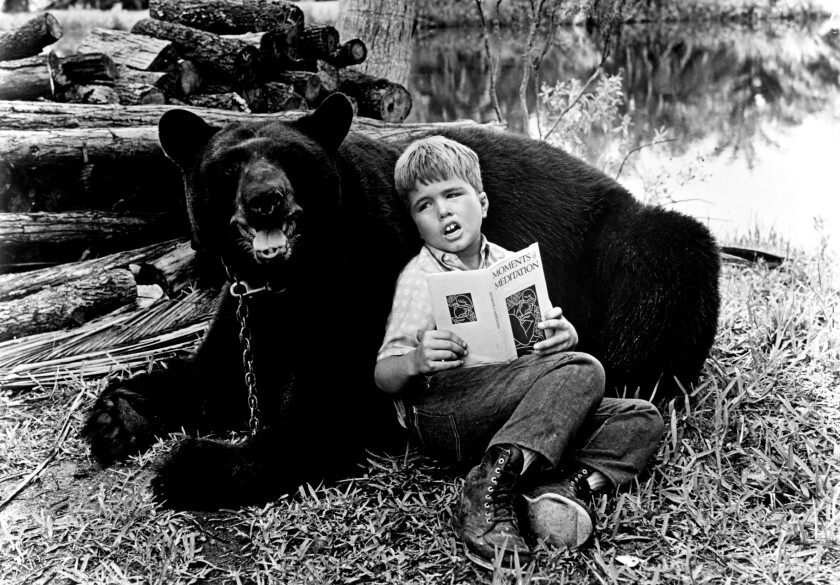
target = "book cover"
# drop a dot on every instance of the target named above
(494, 309)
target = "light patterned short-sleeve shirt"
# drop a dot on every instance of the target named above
(411, 310)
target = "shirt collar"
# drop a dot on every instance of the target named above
(451, 261)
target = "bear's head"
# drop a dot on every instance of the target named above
(263, 197)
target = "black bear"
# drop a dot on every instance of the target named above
(304, 219)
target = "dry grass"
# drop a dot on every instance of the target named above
(744, 488)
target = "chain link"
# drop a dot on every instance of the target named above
(239, 290)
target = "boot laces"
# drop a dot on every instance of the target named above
(499, 496)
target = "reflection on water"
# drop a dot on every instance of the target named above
(754, 111)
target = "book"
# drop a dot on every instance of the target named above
(494, 309)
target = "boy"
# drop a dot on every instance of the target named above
(544, 413)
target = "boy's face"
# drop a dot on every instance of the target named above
(448, 215)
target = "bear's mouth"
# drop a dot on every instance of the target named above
(270, 244)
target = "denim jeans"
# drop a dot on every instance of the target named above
(553, 405)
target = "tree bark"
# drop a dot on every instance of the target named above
(227, 16)
(305, 83)
(230, 101)
(378, 98)
(28, 39)
(54, 134)
(225, 58)
(82, 68)
(25, 79)
(318, 41)
(90, 94)
(385, 26)
(15, 286)
(68, 305)
(132, 50)
(274, 96)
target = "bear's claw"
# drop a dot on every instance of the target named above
(115, 429)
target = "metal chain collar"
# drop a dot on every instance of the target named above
(239, 290)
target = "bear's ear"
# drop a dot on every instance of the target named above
(330, 123)
(182, 134)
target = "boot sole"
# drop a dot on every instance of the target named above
(559, 521)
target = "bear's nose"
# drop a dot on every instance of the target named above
(261, 188)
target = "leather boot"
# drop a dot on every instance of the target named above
(486, 516)
(559, 510)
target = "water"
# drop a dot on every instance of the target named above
(755, 114)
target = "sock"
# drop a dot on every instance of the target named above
(597, 481)
(528, 457)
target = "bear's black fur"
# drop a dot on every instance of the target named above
(639, 284)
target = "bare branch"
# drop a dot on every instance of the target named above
(637, 149)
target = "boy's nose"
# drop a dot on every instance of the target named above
(444, 211)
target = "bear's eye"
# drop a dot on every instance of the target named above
(228, 169)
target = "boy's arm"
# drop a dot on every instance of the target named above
(436, 351)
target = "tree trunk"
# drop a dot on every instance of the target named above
(305, 83)
(385, 26)
(230, 101)
(25, 79)
(132, 50)
(68, 305)
(225, 58)
(15, 286)
(28, 39)
(227, 16)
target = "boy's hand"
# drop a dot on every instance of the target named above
(559, 332)
(438, 350)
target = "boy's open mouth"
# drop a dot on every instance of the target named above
(451, 229)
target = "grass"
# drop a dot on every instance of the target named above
(745, 487)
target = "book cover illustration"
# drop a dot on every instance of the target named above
(496, 309)
(524, 312)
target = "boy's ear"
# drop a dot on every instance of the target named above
(485, 203)
(182, 135)
(330, 123)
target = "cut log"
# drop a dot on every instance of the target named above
(278, 48)
(326, 72)
(353, 52)
(181, 82)
(226, 58)
(378, 98)
(273, 96)
(231, 101)
(90, 94)
(28, 39)
(130, 93)
(15, 286)
(305, 84)
(84, 68)
(25, 79)
(227, 16)
(52, 238)
(68, 305)
(132, 50)
(59, 134)
(318, 41)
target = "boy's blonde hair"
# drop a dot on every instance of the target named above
(435, 158)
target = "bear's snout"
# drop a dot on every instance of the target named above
(262, 189)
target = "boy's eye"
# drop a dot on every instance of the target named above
(423, 205)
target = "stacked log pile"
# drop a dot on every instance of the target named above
(246, 55)
(92, 214)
